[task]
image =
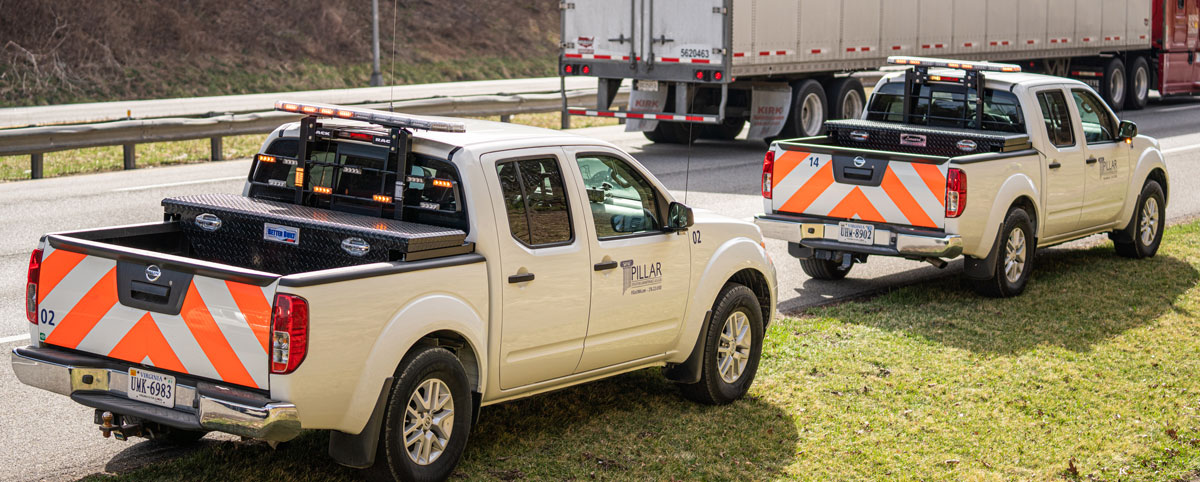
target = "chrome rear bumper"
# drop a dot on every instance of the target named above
(821, 234)
(101, 383)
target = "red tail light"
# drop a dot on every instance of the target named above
(289, 333)
(768, 171)
(31, 290)
(956, 192)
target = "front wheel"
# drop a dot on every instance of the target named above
(1014, 262)
(1144, 234)
(732, 345)
(427, 420)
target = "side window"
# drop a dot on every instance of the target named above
(1057, 118)
(622, 201)
(1097, 124)
(535, 201)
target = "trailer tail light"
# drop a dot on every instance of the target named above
(718, 75)
(585, 70)
(289, 333)
(707, 75)
(576, 69)
(31, 289)
(768, 171)
(956, 192)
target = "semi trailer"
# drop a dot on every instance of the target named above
(704, 68)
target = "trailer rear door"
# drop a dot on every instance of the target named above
(600, 30)
(686, 31)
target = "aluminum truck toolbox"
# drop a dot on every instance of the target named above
(941, 141)
(285, 238)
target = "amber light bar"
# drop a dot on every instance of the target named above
(953, 64)
(373, 116)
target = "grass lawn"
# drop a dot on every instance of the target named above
(1090, 375)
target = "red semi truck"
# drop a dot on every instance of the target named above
(782, 65)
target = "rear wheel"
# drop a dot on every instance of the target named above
(847, 99)
(673, 133)
(1113, 86)
(807, 116)
(726, 130)
(1014, 262)
(824, 269)
(1138, 88)
(1144, 234)
(732, 345)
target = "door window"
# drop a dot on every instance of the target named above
(536, 202)
(1098, 125)
(1057, 118)
(623, 202)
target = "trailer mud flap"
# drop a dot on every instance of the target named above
(769, 110)
(646, 101)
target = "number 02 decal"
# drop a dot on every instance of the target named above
(47, 317)
(695, 237)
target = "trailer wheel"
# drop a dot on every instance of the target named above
(725, 131)
(848, 99)
(1138, 88)
(807, 117)
(673, 133)
(1112, 86)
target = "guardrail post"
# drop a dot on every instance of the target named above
(35, 165)
(130, 156)
(566, 118)
(216, 148)
(506, 118)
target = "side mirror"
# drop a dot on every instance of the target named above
(1127, 130)
(679, 217)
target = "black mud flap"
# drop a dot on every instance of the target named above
(358, 450)
(689, 370)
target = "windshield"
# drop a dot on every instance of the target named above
(948, 105)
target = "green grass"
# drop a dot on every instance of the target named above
(111, 158)
(1090, 375)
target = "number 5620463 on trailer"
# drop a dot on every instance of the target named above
(383, 277)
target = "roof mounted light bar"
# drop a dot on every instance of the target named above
(383, 118)
(953, 64)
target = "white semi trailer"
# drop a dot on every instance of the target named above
(703, 68)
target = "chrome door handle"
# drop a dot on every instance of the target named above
(520, 278)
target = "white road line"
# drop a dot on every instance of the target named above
(10, 339)
(1175, 150)
(1182, 107)
(180, 183)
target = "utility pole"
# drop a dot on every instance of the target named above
(376, 76)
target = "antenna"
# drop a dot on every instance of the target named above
(687, 173)
(392, 69)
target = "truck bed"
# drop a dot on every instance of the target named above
(935, 141)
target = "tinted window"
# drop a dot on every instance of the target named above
(1098, 125)
(948, 105)
(535, 201)
(1057, 118)
(622, 200)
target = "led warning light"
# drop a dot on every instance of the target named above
(299, 176)
(383, 118)
(442, 183)
(953, 64)
(291, 107)
(265, 158)
(322, 190)
(309, 109)
(381, 198)
(326, 111)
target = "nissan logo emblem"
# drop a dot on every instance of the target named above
(152, 273)
(859, 161)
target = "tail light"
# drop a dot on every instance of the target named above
(956, 192)
(31, 290)
(289, 333)
(768, 171)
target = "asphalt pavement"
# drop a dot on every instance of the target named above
(49, 437)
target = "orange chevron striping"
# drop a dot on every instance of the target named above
(810, 191)
(54, 268)
(904, 200)
(254, 305)
(934, 179)
(856, 203)
(200, 322)
(86, 313)
(784, 165)
(144, 341)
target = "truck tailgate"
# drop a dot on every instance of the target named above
(158, 310)
(858, 184)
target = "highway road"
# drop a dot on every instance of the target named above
(48, 437)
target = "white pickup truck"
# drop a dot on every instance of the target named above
(1047, 162)
(382, 277)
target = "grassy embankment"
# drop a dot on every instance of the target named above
(1090, 375)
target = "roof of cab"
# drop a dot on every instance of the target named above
(999, 79)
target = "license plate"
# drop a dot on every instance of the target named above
(856, 233)
(151, 387)
(647, 85)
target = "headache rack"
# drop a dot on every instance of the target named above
(972, 79)
(362, 169)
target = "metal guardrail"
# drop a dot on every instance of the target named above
(36, 141)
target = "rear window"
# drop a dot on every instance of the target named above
(948, 105)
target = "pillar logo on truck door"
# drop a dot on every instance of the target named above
(640, 278)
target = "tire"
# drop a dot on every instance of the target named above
(802, 121)
(1144, 233)
(1137, 89)
(725, 131)
(846, 99)
(1113, 87)
(824, 269)
(1015, 244)
(429, 372)
(673, 133)
(736, 307)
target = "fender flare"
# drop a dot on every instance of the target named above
(1014, 188)
(1150, 160)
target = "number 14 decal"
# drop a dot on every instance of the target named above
(813, 161)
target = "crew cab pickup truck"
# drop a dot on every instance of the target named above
(382, 277)
(1046, 162)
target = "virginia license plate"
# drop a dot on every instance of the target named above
(856, 233)
(151, 387)
(647, 85)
